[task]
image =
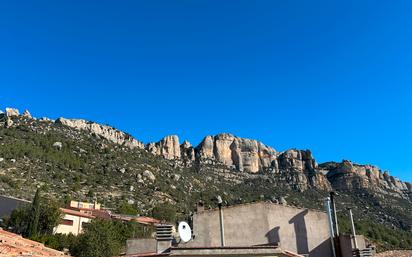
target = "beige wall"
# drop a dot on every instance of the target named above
(85, 205)
(298, 230)
(75, 229)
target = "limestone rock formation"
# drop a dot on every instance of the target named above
(27, 114)
(10, 112)
(187, 151)
(347, 175)
(149, 175)
(243, 154)
(104, 131)
(168, 147)
(58, 145)
(297, 160)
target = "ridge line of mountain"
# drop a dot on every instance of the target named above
(241, 154)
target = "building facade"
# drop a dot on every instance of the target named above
(294, 229)
(73, 222)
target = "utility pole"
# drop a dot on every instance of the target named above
(335, 215)
(336, 226)
(355, 242)
(222, 225)
(330, 221)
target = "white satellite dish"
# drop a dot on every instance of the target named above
(185, 232)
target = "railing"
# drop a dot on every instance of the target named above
(367, 252)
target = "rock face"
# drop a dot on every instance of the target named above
(27, 114)
(149, 175)
(10, 112)
(297, 160)
(187, 151)
(58, 145)
(107, 132)
(243, 154)
(168, 147)
(347, 175)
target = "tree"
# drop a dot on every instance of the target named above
(50, 216)
(99, 239)
(164, 212)
(21, 219)
(125, 208)
(33, 228)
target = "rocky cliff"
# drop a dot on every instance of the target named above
(248, 156)
(104, 131)
(84, 160)
(347, 176)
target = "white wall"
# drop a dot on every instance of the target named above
(75, 229)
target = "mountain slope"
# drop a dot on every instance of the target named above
(86, 160)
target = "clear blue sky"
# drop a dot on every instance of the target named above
(331, 76)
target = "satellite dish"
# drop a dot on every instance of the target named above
(185, 232)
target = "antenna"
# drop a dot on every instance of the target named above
(185, 232)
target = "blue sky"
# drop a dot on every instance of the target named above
(331, 76)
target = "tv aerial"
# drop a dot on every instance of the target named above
(185, 232)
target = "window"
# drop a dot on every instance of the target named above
(67, 222)
(85, 224)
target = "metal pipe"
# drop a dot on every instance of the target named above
(222, 226)
(335, 215)
(331, 232)
(355, 242)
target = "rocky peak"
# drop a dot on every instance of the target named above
(104, 131)
(10, 112)
(168, 147)
(27, 114)
(187, 151)
(240, 153)
(348, 175)
(297, 160)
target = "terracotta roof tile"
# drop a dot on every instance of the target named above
(15, 245)
(76, 213)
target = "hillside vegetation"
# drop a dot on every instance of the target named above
(73, 164)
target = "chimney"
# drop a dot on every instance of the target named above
(164, 238)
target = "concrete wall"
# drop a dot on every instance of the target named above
(298, 230)
(140, 245)
(347, 244)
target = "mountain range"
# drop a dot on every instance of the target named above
(76, 158)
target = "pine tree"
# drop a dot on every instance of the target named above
(33, 228)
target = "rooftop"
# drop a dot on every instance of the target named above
(15, 245)
(261, 250)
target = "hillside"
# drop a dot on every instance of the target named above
(79, 159)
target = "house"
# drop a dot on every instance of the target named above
(73, 221)
(85, 206)
(78, 214)
(15, 245)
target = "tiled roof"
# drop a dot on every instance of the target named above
(12, 245)
(139, 219)
(76, 213)
(147, 220)
(105, 214)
